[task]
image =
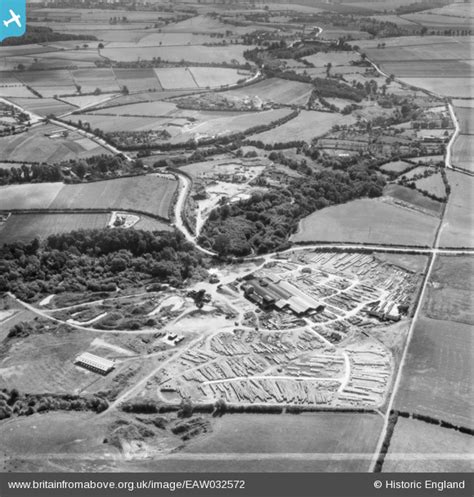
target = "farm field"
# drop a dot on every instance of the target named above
(465, 118)
(276, 90)
(433, 184)
(192, 53)
(47, 143)
(223, 123)
(426, 62)
(450, 291)
(332, 434)
(43, 106)
(142, 109)
(175, 78)
(306, 126)
(412, 199)
(182, 125)
(449, 87)
(150, 193)
(457, 229)
(463, 152)
(25, 227)
(368, 221)
(396, 166)
(137, 79)
(417, 446)
(28, 196)
(215, 77)
(108, 122)
(427, 159)
(437, 377)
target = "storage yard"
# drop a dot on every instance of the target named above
(302, 335)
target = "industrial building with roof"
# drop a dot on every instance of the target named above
(282, 295)
(95, 363)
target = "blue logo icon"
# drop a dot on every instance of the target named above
(12, 18)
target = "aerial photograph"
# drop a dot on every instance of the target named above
(237, 236)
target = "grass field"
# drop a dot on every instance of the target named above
(306, 126)
(222, 123)
(137, 79)
(331, 434)
(215, 77)
(172, 78)
(276, 90)
(428, 159)
(457, 230)
(109, 122)
(395, 167)
(432, 184)
(437, 377)
(465, 118)
(436, 63)
(28, 196)
(24, 227)
(413, 199)
(368, 221)
(450, 291)
(151, 194)
(417, 446)
(46, 143)
(413, 172)
(151, 109)
(463, 152)
(43, 106)
(449, 87)
(191, 53)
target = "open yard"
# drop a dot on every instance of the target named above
(25, 227)
(307, 125)
(417, 446)
(368, 221)
(437, 376)
(457, 229)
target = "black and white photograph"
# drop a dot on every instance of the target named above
(237, 238)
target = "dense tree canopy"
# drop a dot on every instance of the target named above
(96, 260)
(265, 221)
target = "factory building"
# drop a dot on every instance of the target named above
(281, 295)
(94, 363)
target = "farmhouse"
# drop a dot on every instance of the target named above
(94, 363)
